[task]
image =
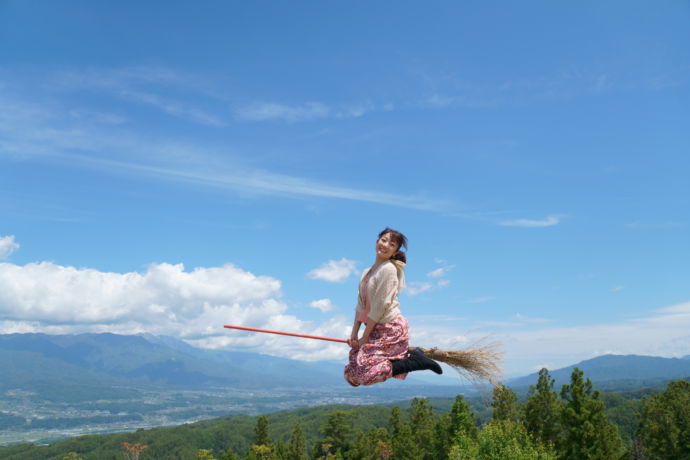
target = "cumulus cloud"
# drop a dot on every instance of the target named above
(531, 223)
(334, 271)
(7, 246)
(323, 304)
(164, 300)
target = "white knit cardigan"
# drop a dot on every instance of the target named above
(383, 287)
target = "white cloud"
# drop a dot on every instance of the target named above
(265, 111)
(269, 111)
(529, 223)
(617, 288)
(439, 272)
(334, 271)
(143, 85)
(324, 305)
(527, 343)
(417, 287)
(530, 319)
(40, 131)
(7, 246)
(164, 300)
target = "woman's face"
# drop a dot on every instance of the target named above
(386, 247)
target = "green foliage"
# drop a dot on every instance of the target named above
(338, 433)
(204, 454)
(297, 447)
(572, 427)
(500, 440)
(261, 431)
(260, 452)
(665, 428)
(73, 456)
(372, 445)
(228, 455)
(402, 444)
(505, 404)
(586, 432)
(543, 410)
(422, 425)
(459, 421)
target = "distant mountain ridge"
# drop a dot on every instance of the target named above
(105, 360)
(618, 371)
(98, 359)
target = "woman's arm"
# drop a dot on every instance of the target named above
(367, 331)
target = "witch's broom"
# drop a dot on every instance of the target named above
(476, 363)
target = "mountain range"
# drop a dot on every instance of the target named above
(618, 372)
(36, 362)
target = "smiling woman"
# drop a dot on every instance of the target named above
(383, 350)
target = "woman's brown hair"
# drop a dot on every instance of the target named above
(400, 239)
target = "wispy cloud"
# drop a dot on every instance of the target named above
(271, 111)
(173, 107)
(40, 131)
(532, 223)
(662, 332)
(418, 287)
(439, 272)
(147, 86)
(334, 271)
(7, 246)
(617, 288)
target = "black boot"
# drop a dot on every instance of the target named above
(416, 361)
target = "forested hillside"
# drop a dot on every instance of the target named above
(575, 423)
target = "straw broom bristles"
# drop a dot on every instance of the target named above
(476, 363)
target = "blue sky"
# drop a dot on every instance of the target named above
(169, 167)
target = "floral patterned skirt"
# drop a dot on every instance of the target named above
(371, 363)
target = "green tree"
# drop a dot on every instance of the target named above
(500, 440)
(260, 452)
(229, 455)
(204, 454)
(297, 445)
(337, 433)
(402, 443)
(72, 456)
(422, 424)
(261, 432)
(587, 433)
(459, 421)
(372, 445)
(543, 410)
(505, 404)
(665, 425)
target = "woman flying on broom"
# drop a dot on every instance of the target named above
(383, 350)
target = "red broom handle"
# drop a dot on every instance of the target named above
(317, 337)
